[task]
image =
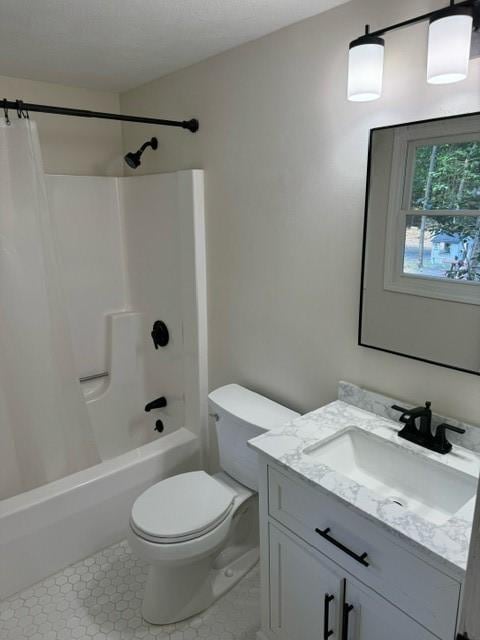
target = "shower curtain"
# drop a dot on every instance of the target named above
(45, 432)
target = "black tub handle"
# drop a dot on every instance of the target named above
(160, 334)
(362, 559)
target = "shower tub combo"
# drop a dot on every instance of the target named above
(132, 252)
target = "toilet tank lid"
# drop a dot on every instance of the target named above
(250, 407)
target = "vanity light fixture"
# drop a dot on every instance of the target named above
(449, 42)
(365, 68)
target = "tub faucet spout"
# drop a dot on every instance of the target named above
(159, 403)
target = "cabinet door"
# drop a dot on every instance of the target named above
(305, 591)
(367, 616)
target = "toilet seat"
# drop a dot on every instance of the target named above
(181, 508)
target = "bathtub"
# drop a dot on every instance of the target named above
(46, 529)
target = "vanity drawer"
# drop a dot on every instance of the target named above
(423, 592)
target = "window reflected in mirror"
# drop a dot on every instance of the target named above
(421, 270)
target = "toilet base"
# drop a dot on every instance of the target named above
(180, 592)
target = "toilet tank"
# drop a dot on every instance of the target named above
(241, 415)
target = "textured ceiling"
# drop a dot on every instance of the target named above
(120, 44)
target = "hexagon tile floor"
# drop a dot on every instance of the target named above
(99, 599)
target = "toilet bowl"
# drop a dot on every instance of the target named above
(195, 517)
(199, 532)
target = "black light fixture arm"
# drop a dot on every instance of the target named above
(474, 4)
(192, 125)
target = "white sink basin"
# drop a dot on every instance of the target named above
(426, 487)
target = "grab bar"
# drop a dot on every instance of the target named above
(95, 376)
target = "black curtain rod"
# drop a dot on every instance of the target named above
(25, 107)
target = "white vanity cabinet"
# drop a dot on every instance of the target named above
(309, 599)
(330, 573)
(304, 590)
(368, 616)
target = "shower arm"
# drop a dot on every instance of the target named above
(145, 145)
(23, 108)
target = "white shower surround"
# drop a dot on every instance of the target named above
(134, 245)
(54, 525)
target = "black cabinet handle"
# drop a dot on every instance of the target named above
(347, 608)
(362, 559)
(326, 616)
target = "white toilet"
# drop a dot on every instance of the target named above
(199, 533)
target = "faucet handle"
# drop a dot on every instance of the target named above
(441, 444)
(403, 411)
(397, 407)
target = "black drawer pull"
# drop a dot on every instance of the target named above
(361, 559)
(346, 612)
(326, 616)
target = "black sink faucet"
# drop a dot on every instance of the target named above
(421, 434)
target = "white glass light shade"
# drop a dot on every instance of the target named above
(449, 42)
(365, 69)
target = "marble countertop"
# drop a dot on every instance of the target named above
(446, 544)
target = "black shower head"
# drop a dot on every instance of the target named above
(134, 158)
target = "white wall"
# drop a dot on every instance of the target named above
(285, 158)
(75, 146)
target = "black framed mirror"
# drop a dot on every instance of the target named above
(420, 283)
